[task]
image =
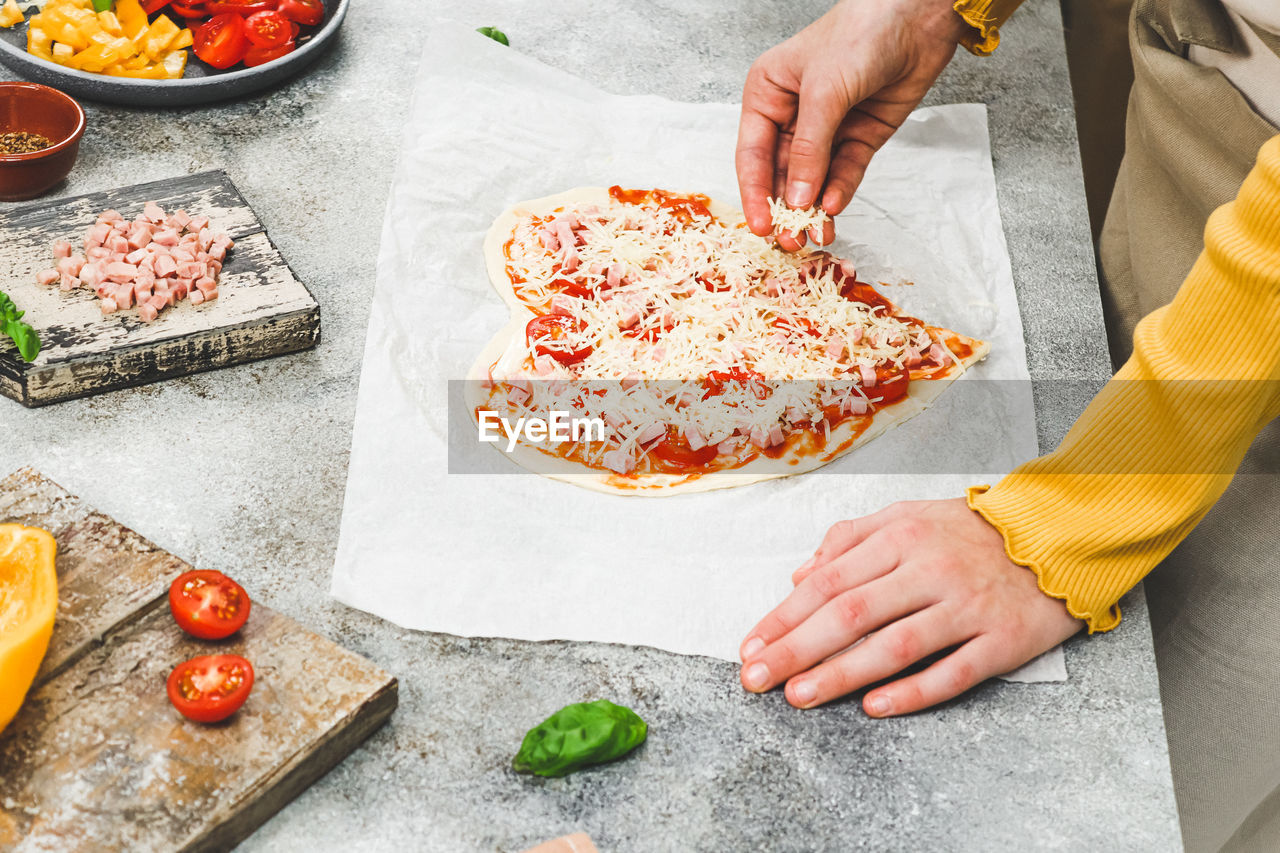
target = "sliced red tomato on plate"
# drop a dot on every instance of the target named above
(210, 688)
(262, 55)
(548, 335)
(189, 11)
(243, 8)
(268, 29)
(208, 604)
(309, 13)
(222, 41)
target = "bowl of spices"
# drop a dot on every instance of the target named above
(40, 130)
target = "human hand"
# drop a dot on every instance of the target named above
(914, 579)
(818, 106)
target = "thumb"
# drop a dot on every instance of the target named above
(822, 106)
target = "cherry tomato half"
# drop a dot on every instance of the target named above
(208, 604)
(309, 13)
(268, 29)
(191, 10)
(674, 450)
(547, 335)
(262, 55)
(153, 6)
(573, 288)
(211, 688)
(222, 41)
(891, 384)
(243, 8)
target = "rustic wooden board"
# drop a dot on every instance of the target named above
(97, 758)
(262, 309)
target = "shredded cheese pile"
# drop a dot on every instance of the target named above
(790, 220)
(664, 300)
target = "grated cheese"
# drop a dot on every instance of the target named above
(791, 220)
(670, 301)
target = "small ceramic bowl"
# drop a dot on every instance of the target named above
(47, 112)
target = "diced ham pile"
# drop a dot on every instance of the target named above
(152, 262)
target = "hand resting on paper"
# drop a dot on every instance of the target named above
(818, 106)
(913, 579)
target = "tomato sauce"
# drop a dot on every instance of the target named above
(685, 207)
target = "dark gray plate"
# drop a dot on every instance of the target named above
(200, 85)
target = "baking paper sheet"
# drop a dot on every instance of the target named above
(515, 555)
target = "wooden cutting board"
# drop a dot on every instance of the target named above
(97, 758)
(262, 309)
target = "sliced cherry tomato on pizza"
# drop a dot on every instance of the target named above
(268, 29)
(222, 41)
(190, 11)
(260, 56)
(798, 324)
(309, 13)
(573, 288)
(891, 384)
(674, 450)
(208, 604)
(717, 379)
(243, 8)
(211, 688)
(549, 335)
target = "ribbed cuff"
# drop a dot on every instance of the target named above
(985, 17)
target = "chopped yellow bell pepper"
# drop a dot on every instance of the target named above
(28, 604)
(132, 19)
(119, 42)
(175, 63)
(156, 40)
(110, 23)
(10, 14)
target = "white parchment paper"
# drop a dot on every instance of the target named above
(516, 555)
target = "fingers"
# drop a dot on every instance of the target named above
(846, 573)
(839, 538)
(835, 626)
(822, 107)
(755, 160)
(974, 662)
(886, 652)
(848, 166)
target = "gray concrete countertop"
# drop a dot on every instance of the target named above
(244, 470)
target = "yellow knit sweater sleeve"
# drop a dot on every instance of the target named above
(986, 17)
(1158, 445)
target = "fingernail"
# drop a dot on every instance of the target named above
(804, 692)
(757, 676)
(751, 647)
(808, 564)
(800, 194)
(879, 704)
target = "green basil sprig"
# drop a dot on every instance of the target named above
(579, 735)
(23, 335)
(494, 33)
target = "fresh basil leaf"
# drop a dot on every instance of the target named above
(25, 337)
(579, 735)
(494, 33)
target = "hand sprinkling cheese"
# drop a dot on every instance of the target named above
(795, 221)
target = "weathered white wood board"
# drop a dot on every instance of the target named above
(262, 310)
(97, 759)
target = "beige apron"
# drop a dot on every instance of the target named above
(1191, 137)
